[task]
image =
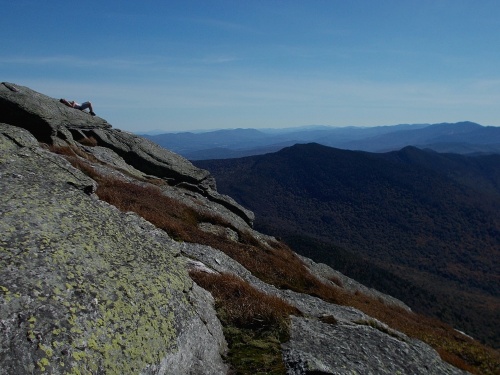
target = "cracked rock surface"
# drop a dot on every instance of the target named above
(78, 292)
(85, 288)
(354, 344)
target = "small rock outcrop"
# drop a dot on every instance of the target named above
(316, 347)
(88, 289)
(46, 118)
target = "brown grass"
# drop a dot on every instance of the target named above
(279, 266)
(336, 280)
(243, 305)
(255, 324)
(88, 141)
(148, 202)
(70, 151)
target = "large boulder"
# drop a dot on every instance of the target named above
(151, 158)
(316, 347)
(85, 288)
(55, 123)
(45, 117)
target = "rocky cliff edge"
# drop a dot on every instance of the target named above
(88, 289)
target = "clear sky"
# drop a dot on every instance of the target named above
(183, 65)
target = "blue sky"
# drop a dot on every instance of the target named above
(184, 65)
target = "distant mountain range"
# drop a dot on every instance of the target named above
(114, 250)
(462, 138)
(420, 225)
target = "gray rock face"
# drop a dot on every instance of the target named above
(151, 158)
(199, 343)
(45, 117)
(53, 122)
(320, 348)
(78, 292)
(85, 288)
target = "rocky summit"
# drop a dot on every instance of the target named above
(95, 281)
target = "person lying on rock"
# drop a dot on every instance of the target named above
(81, 107)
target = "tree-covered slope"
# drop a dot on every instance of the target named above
(428, 218)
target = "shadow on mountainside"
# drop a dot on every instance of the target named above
(426, 218)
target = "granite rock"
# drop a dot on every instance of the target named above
(44, 117)
(80, 294)
(52, 122)
(320, 348)
(85, 288)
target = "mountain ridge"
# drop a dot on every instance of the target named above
(118, 256)
(461, 137)
(411, 212)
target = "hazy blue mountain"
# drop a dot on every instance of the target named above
(461, 137)
(461, 133)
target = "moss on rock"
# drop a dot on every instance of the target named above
(84, 288)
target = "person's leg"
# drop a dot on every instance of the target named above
(89, 106)
(91, 110)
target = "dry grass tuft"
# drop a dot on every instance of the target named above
(88, 141)
(72, 153)
(255, 324)
(243, 305)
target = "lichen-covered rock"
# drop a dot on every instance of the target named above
(54, 123)
(45, 117)
(351, 342)
(85, 288)
(320, 348)
(195, 344)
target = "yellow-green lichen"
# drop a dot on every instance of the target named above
(113, 290)
(47, 349)
(42, 363)
(133, 328)
(30, 335)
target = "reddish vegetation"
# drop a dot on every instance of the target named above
(244, 305)
(90, 141)
(255, 324)
(278, 265)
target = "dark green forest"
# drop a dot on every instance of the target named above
(421, 226)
